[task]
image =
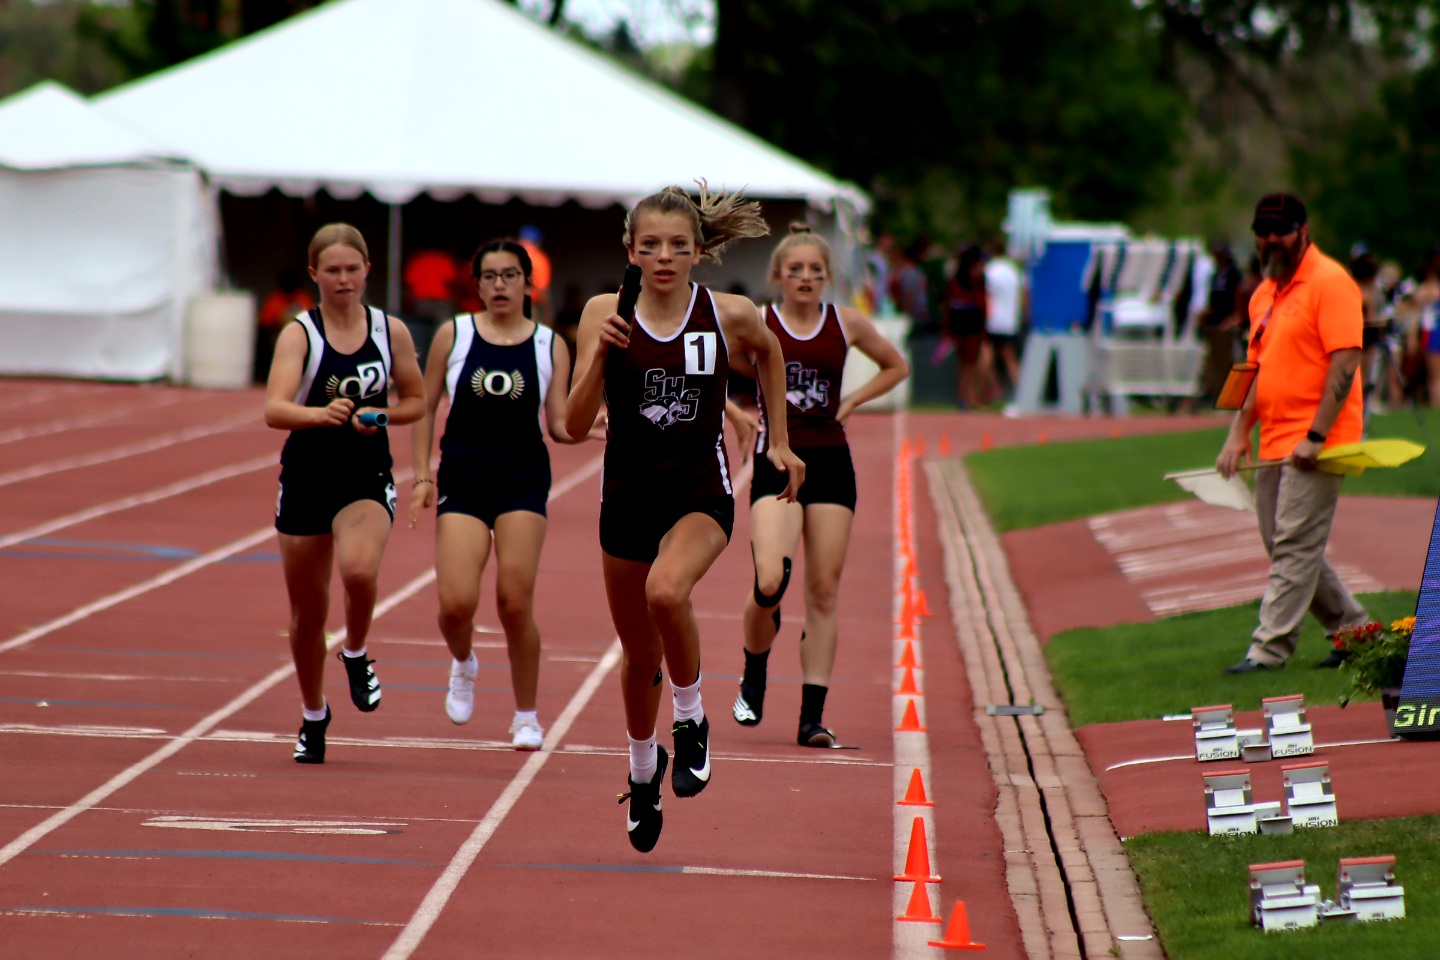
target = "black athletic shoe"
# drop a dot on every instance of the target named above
(364, 685)
(814, 735)
(310, 748)
(692, 757)
(643, 820)
(749, 705)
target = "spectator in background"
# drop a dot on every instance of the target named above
(1218, 321)
(1365, 271)
(1004, 292)
(567, 317)
(283, 304)
(964, 317)
(430, 278)
(531, 239)
(908, 287)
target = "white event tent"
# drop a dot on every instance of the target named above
(448, 98)
(104, 239)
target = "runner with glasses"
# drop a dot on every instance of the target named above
(502, 372)
(337, 498)
(668, 506)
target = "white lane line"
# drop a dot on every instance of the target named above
(140, 499)
(27, 839)
(1180, 757)
(127, 450)
(52, 823)
(130, 593)
(434, 903)
(82, 423)
(115, 677)
(778, 874)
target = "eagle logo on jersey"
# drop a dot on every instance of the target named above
(498, 383)
(804, 390)
(666, 401)
(368, 380)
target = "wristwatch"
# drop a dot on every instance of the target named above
(1314, 436)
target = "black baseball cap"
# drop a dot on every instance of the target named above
(1280, 213)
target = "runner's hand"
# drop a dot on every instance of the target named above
(785, 460)
(338, 411)
(422, 497)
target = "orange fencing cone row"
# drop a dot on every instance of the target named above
(918, 910)
(915, 793)
(957, 931)
(917, 858)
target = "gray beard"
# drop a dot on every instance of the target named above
(1277, 264)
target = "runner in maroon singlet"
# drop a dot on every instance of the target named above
(815, 337)
(667, 507)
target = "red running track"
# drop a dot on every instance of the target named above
(147, 715)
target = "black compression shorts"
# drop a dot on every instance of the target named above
(634, 531)
(309, 499)
(829, 477)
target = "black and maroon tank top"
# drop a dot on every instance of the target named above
(666, 401)
(813, 368)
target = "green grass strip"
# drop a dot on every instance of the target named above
(1196, 889)
(1025, 487)
(1171, 665)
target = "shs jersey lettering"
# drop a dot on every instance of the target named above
(362, 377)
(814, 366)
(666, 400)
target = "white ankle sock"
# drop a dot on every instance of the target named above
(314, 716)
(643, 759)
(687, 701)
(353, 653)
(527, 716)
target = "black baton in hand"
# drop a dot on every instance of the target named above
(629, 294)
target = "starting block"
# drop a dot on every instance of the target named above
(1280, 899)
(1215, 734)
(1308, 797)
(1227, 803)
(1286, 728)
(1367, 886)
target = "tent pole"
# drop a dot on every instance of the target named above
(392, 263)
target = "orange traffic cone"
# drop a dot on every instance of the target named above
(907, 685)
(987, 442)
(915, 793)
(910, 720)
(1042, 437)
(921, 607)
(907, 630)
(917, 860)
(944, 444)
(918, 910)
(907, 659)
(908, 571)
(907, 612)
(904, 449)
(957, 932)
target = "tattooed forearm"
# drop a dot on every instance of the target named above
(1341, 389)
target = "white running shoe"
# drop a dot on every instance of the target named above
(460, 701)
(528, 735)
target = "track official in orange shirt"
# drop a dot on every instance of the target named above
(1306, 326)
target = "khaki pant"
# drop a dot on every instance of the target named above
(1295, 509)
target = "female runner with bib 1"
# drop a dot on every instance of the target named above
(334, 365)
(502, 371)
(815, 337)
(667, 505)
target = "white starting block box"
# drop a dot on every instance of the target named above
(1308, 797)
(1286, 728)
(1254, 748)
(1280, 899)
(1270, 819)
(1227, 803)
(1215, 734)
(1367, 886)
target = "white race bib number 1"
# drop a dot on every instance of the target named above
(700, 354)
